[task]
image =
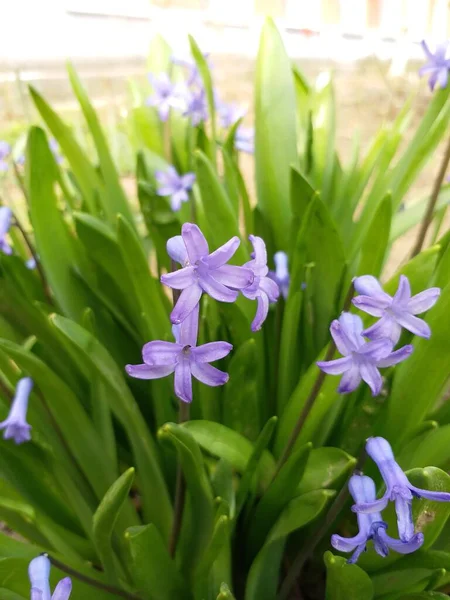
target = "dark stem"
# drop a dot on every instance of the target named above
(93, 582)
(432, 203)
(311, 398)
(316, 537)
(34, 255)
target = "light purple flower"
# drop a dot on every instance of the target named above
(39, 574)
(245, 139)
(371, 526)
(5, 151)
(263, 289)
(197, 107)
(395, 312)
(361, 359)
(174, 185)
(166, 95)
(281, 274)
(15, 426)
(183, 358)
(398, 488)
(194, 77)
(54, 147)
(30, 263)
(203, 271)
(5, 224)
(229, 113)
(437, 66)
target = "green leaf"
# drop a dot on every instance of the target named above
(404, 220)
(346, 581)
(375, 244)
(425, 596)
(153, 571)
(275, 132)
(225, 593)
(104, 520)
(115, 201)
(147, 129)
(325, 467)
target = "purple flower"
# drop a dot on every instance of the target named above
(197, 107)
(5, 224)
(183, 358)
(371, 526)
(194, 77)
(39, 573)
(395, 312)
(15, 425)
(174, 185)
(166, 95)
(54, 147)
(437, 66)
(245, 139)
(229, 113)
(202, 271)
(5, 151)
(398, 488)
(281, 273)
(361, 359)
(263, 289)
(30, 263)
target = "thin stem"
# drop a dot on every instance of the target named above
(311, 398)
(35, 257)
(432, 202)
(93, 582)
(338, 504)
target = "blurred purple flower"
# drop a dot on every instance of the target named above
(229, 113)
(263, 289)
(39, 574)
(5, 224)
(5, 151)
(183, 358)
(371, 526)
(194, 77)
(15, 426)
(166, 95)
(54, 147)
(398, 488)
(202, 271)
(437, 66)
(245, 139)
(281, 274)
(31, 263)
(174, 185)
(197, 107)
(361, 359)
(395, 312)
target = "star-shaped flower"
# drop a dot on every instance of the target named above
(174, 185)
(437, 66)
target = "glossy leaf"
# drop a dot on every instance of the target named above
(346, 581)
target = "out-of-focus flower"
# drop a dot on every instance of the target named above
(371, 526)
(166, 95)
(395, 312)
(437, 65)
(184, 358)
(361, 359)
(31, 263)
(39, 574)
(15, 426)
(5, 151)
(194, 77)
(263, 289)
(229, 113)
(203, 271)
(174, 185)
(5, 224)
(398, 488)
(56, 151)
(245, 139)
(281, 274)
(197, 107)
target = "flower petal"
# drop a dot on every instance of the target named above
(442, 77)
(5, 220)
(343, 544)
(372, 306)
(63, 589)
(149, 372)
(187, 332)
(336, 367)
(414, 324)
(270, 287)
(161, 353)
(188, 300)
(352, 326)
(423, 301)
(261, 311)
(403, 508)
(386, 327)
(430, 495)
(208, 374)
(403, 294)
(188, 180)
(180, 279)
(176, 249)
(402, 547)
(216, 290)
(234, 277)
(371, 375)
(39, 573)
(371, 507)
(196, 244)
(36, 594)
(396, 357)
(210, 352)
(370, 286)
(183, 380)
(377, 349)
(177, 199)
(223, 254)
(349, 380)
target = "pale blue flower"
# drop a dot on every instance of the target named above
(39, 574)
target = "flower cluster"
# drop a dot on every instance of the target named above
(39, 574)
(362, 359)
(398, 490)
(202, 272)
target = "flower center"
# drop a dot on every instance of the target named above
(186, 350)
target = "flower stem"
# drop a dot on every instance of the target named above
(93, 582)
(317, 536)
(432, 203)
(311, 398)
